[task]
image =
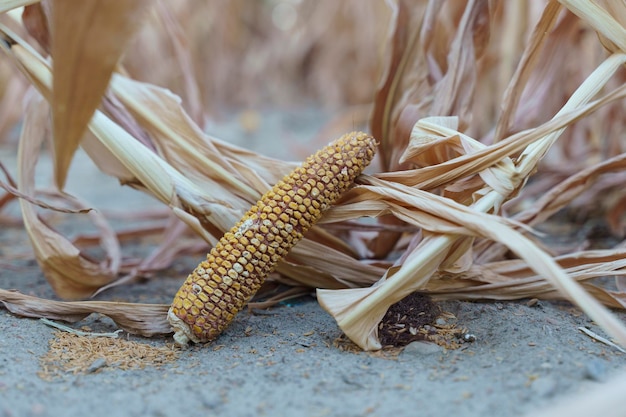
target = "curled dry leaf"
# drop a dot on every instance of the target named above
(70, 273)
(144, 319)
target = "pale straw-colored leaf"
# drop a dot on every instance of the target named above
(358, 313)
(528, 61)
(6, 5)
(613, 33)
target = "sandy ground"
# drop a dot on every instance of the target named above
(286, 361)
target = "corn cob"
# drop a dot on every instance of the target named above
(236, 267)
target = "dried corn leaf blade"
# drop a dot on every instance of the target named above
(88, 38)
(613, 34)
(358, 311)
(184, 146)
(445, 173)
(179, 140)
(36, 23)
(143, 319)
(180, 46)
(70, 274)
(402, 39)
(175, 189)
(555, 199)
(566, 191)
(528, 62)
(6, 5)
(150, 171)
(511, 280)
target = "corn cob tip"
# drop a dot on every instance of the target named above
(182, 332)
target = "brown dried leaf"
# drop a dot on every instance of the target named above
(401, 39)
(143, 319)
(88, 38)
(69, 273)
(36, 23)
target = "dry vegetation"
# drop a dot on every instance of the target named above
(492, 117)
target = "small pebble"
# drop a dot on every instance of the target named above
(595, 370)
(96, 365)
(421, 349)
(440, 321)
(532, 302)
(545, 386)
(469, 338)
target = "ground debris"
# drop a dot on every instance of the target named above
(75, 354)
(417, 318)
(414, 318)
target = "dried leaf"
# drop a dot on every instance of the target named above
(36, 23)
(7, 5)
(88, 38)
(143, 319)
(70, 274)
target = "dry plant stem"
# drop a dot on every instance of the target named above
(237, 266)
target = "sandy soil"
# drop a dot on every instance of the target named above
(286, 361)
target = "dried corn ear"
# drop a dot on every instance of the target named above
(237, 266)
